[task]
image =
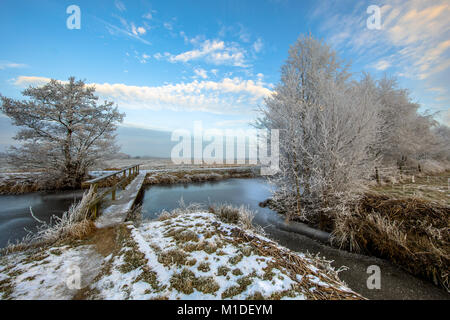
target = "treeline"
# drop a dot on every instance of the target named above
(335, 130)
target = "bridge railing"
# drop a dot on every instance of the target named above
(125, 175)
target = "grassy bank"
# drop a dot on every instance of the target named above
(189, 253)
(405, 221)
(21, 183)
(203, 175)
(412, 233)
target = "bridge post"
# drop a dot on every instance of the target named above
(113, 194)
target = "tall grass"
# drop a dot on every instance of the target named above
(412, 233)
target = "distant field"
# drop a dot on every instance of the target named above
(155, 163)
(146, 164)
(434, 187)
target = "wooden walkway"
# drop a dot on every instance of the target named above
(115, 210)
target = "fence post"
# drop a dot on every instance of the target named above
(377, 175)
(113, 194)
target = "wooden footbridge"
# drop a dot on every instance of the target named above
(127, 184)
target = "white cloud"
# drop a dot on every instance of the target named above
(133, 29)
(244, 35)
(10, 65)
(228, 96)
(120, 6)
(413, 43)
(184, 36)
(382, 65)
(437, 89)
(414, 34)
(148, 16)
(422, 29)
(213, 51)
(141, 30)
(143, 58)
(202, 73)
(23, 81)
(137, 31)
(258, 45)
(168, 25)
(128, 30)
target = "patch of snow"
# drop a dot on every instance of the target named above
(50, 278)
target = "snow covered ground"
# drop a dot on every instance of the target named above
(46, 274)
(186, 256)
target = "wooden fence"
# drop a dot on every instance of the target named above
(93, 184)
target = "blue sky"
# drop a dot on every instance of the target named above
(170, 63)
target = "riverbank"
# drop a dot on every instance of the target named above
(14, 183)
(184, 176)
(186, 254)
(406, 223)
(396, 283)
(412, 233)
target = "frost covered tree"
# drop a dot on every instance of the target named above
(328, 129)
(404, 133)
(63, 129)
(441, 149)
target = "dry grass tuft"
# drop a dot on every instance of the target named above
(204, 267)
(186, 282)
(223, 271)
(413, 233)
(182, 209)
(241, 216)
(174, 256)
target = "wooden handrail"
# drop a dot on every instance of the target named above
(133, 171)
(96, 180)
